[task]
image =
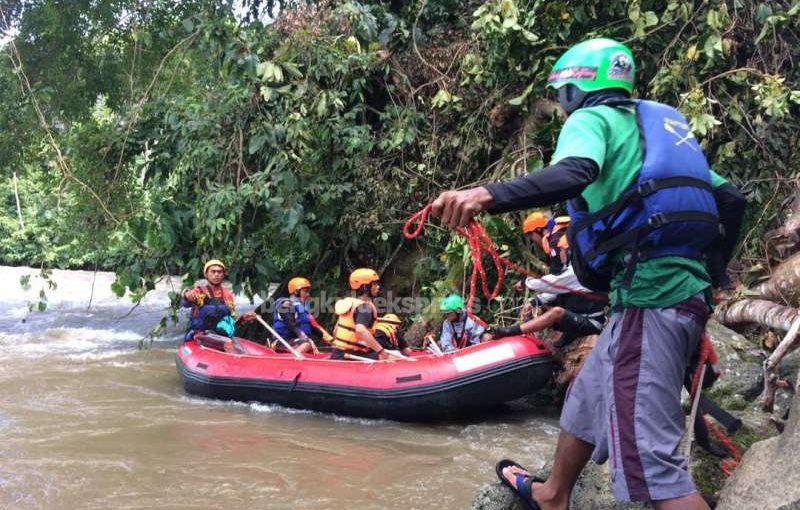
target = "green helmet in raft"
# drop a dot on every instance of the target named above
(452, 303)
(591, 66)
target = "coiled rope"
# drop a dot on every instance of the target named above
(480, 245)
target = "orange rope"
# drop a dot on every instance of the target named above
(707, 354)
(480, 244)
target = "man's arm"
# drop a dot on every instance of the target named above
(326, 337)
(475, 331)
(731, 206)
(192, 297)
(556, 183)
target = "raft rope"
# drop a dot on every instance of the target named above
(481, 244)
(707, 354)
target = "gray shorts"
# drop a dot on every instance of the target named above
(626, 400)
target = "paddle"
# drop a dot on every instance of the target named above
(280, 338)
(433, 346)
(359, 358)
(687, 452)
(398, 354)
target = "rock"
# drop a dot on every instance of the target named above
(496, 497)
(592, 492)
(741, 365)
(769, 474)
(415, 334)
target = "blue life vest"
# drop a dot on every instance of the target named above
(301, 316)
(668, 210)
(214, 310)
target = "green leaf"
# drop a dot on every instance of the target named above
(650, 19)
(256, 142)
(441, 99)
(517, 101)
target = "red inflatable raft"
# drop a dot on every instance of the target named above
(426, 388)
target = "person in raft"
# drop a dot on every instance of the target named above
(644, 211)
(570, 308)
(458, 330)
(387, 333)
(354, 333)
(212, 304)
(294, 322)
(550, 236)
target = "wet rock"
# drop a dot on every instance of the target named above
(769, 474)
(592, 492)
(415, 334)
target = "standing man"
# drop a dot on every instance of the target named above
(642, 220)
(212, 305)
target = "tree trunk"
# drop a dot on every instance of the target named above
(785, 240)
(784, 282)
(759, 311)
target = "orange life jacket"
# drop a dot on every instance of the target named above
(344, 333)
(388, 328)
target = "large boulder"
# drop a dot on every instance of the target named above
(592, 492)
(741, 363)
(768, 477)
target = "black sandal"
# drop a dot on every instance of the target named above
(523, 485)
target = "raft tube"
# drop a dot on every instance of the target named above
(429, 388)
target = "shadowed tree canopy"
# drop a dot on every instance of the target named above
(294, 137)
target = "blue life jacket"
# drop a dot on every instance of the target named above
(214, 310)
(301, 316)
(668, 210)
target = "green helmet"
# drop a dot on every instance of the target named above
(596, 64)
(452, 303)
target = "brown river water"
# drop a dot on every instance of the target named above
(89, 421)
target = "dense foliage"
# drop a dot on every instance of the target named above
(149, 136)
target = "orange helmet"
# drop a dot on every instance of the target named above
(535, 220)
(297, 283)
(362, 276)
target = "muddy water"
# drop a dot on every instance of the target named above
(89, 421)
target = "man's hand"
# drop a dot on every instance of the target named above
(196, 296)
(501, 332)
(456, 208)
(249, 316)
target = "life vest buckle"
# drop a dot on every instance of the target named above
(647, 187)
(656, 220)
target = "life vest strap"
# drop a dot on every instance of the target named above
(349, 345)
(654, 222)
(637, 193)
